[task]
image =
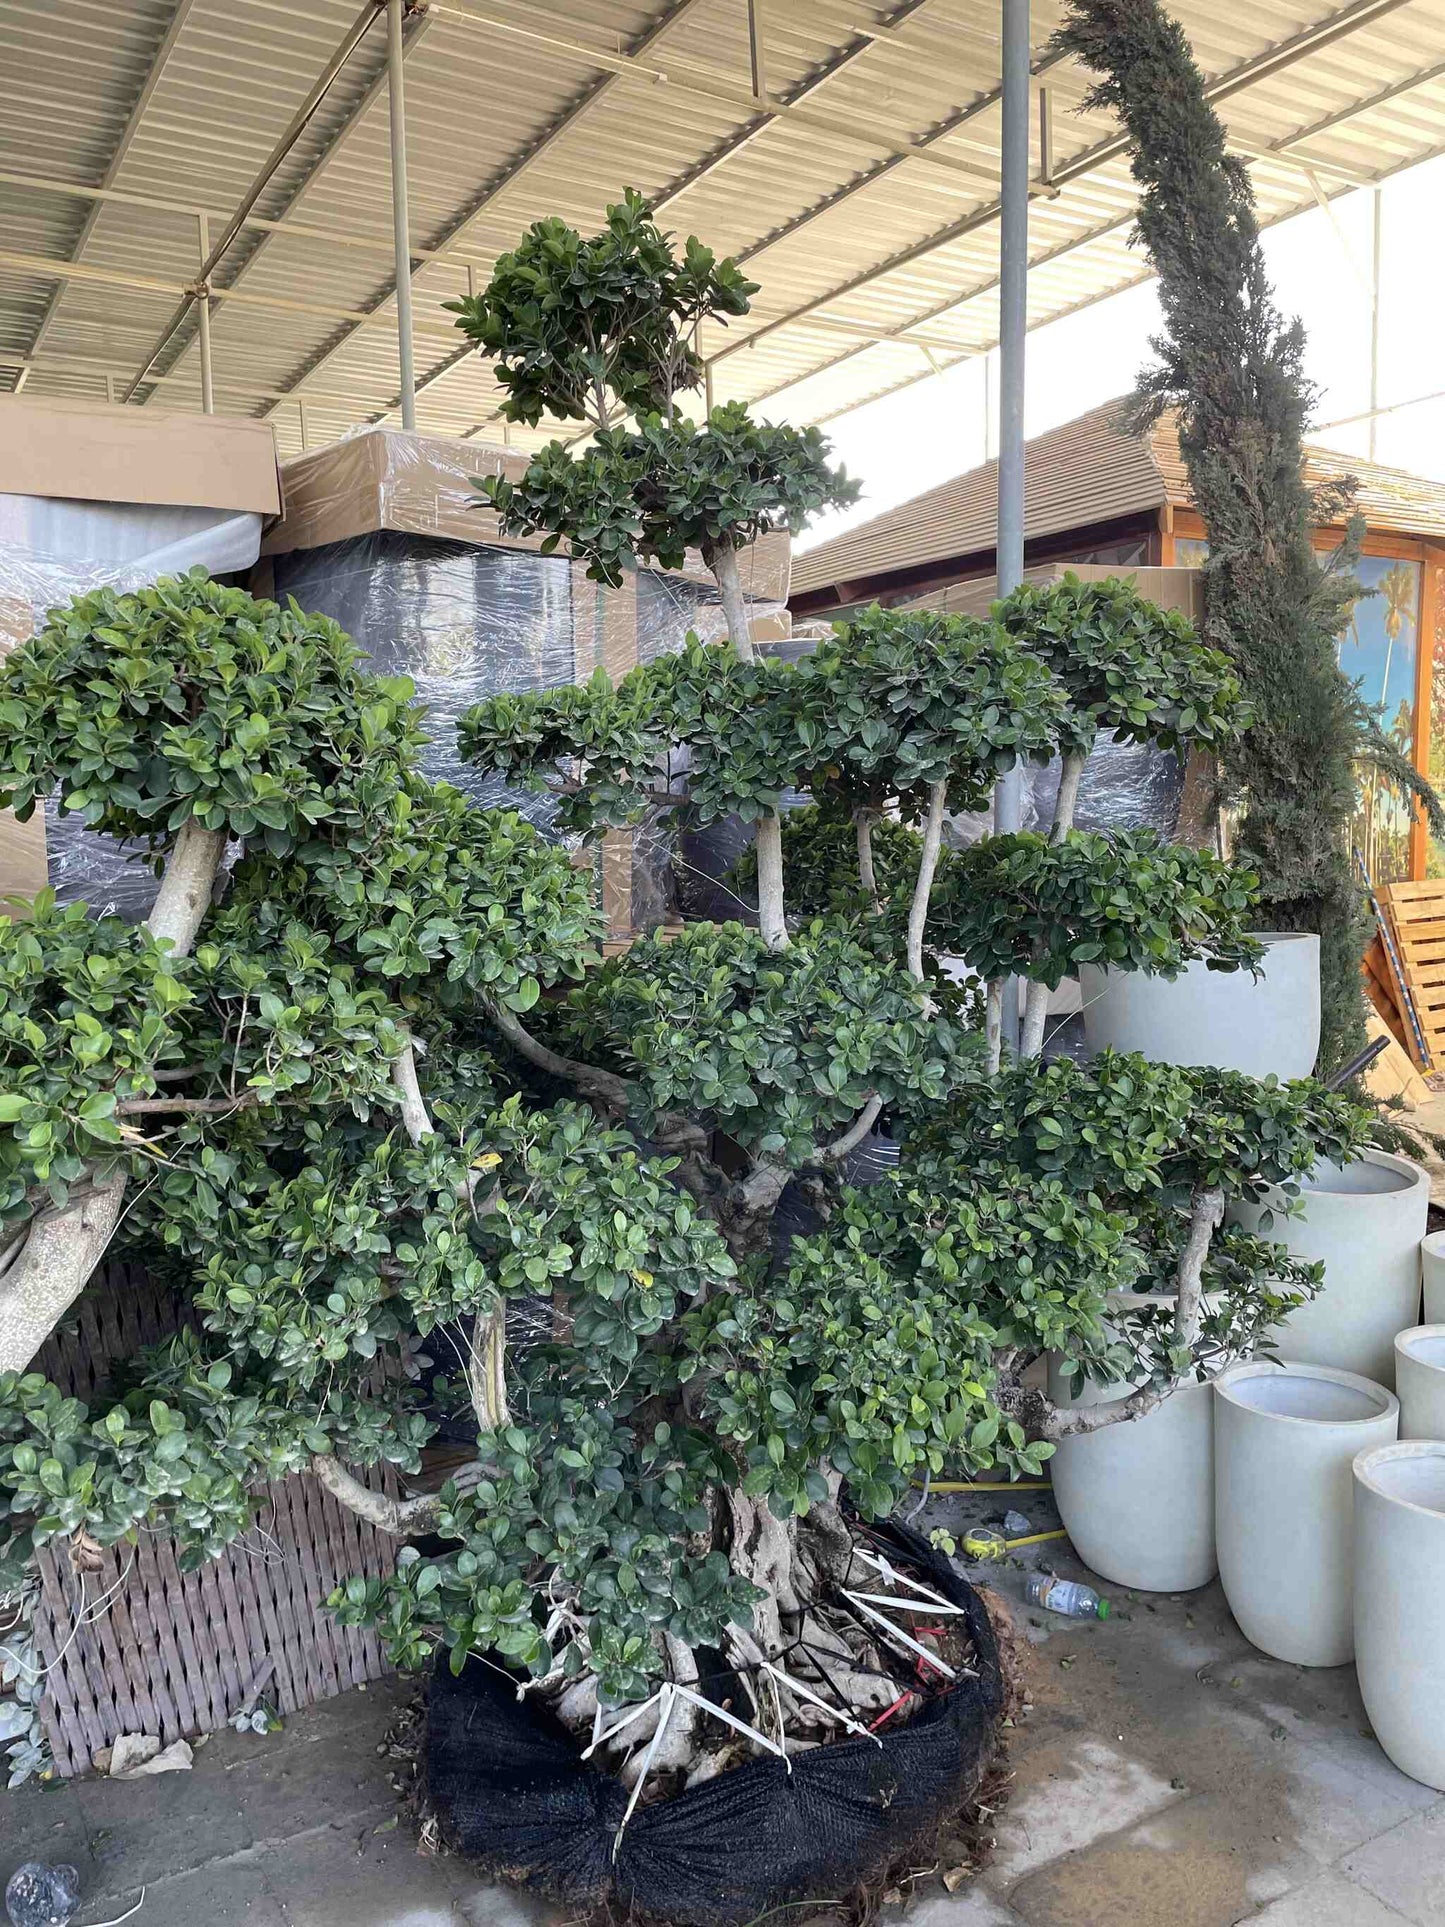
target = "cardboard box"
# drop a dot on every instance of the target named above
(84, 453)
(413, 484)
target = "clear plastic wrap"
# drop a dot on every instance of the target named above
(1126, 786)
(53, 549)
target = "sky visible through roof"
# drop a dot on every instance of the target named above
(920, 436)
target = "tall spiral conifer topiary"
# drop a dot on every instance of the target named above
(1232, 367)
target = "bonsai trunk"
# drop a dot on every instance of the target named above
(768, 836)
(923, 886)
(63, 1247)
(863, 822)
(185, 893)
(1036, 1009)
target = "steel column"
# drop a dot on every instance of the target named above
(396, 105)
(1379, 223)
(1013, 325)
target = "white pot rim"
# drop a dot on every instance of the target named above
(1384, 1401)
(1374, 1459)
(1408, 1342)
(1434, 1243)
(1416, 1174)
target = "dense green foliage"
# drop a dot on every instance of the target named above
(1129, 666)
(1020, 905)
(1232, 369)
(415, 1156)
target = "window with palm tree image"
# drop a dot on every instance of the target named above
(1379, 652)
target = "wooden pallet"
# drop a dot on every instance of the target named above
(1380, 989)
(1417, 916)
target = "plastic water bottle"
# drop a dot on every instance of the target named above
(1065, 1596)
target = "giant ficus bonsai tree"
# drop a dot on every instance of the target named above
(413, 1154)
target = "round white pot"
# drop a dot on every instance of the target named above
(1400, 1602)
(1229, 1018)
(1285, 1438)
(1365, 1221)
(1420, 1382)
(1432, 1265)
(1137, 1498)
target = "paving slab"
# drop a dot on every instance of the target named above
(1406, 1868)
(1167, 1776)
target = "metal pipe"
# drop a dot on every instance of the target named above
(396, 107)
(203, 315)
(1013, 326)
(292, 132)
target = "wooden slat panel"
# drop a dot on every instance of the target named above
(1417, 918)
(175, 1653)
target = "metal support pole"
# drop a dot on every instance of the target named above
(1013, 321)
(1379, 213)
(1046, 137)
(396, 103)
(203, 317)
(305, 435)
(757, 51)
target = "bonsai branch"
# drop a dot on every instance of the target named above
(927, 864)
(399, 1517)
(855, 1133)
(61, 1250)
(1067, 801)
(185, 893)
(606, 1086)
(723, 561)
(772, 919)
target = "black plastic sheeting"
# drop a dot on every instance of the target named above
(511, 1792)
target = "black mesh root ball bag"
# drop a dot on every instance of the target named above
(511, 1793)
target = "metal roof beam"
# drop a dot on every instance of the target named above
(959, 118)
(703, 82)
(291, 133)
(1362, 106)
(511, 171)
(153, 78)
(1345, 20)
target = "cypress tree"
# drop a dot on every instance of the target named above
(1232, 368)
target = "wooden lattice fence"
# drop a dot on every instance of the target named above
(140, 1647)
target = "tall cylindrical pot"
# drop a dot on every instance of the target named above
(1229, 1018)
(1364, 1220)
(1137, 1497)
(1420, 1382)
(1432, 1266)
(1285, 1438)
(1400, 1602)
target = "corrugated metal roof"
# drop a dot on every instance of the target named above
(862, 191)
(1089, 471)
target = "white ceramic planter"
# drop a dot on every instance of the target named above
(1137, 1498)
(1400, 1602)
(1432, 1266)
(1420, 1382)
(1285, 1438)
(1262, 1025)
(1365, 1220)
